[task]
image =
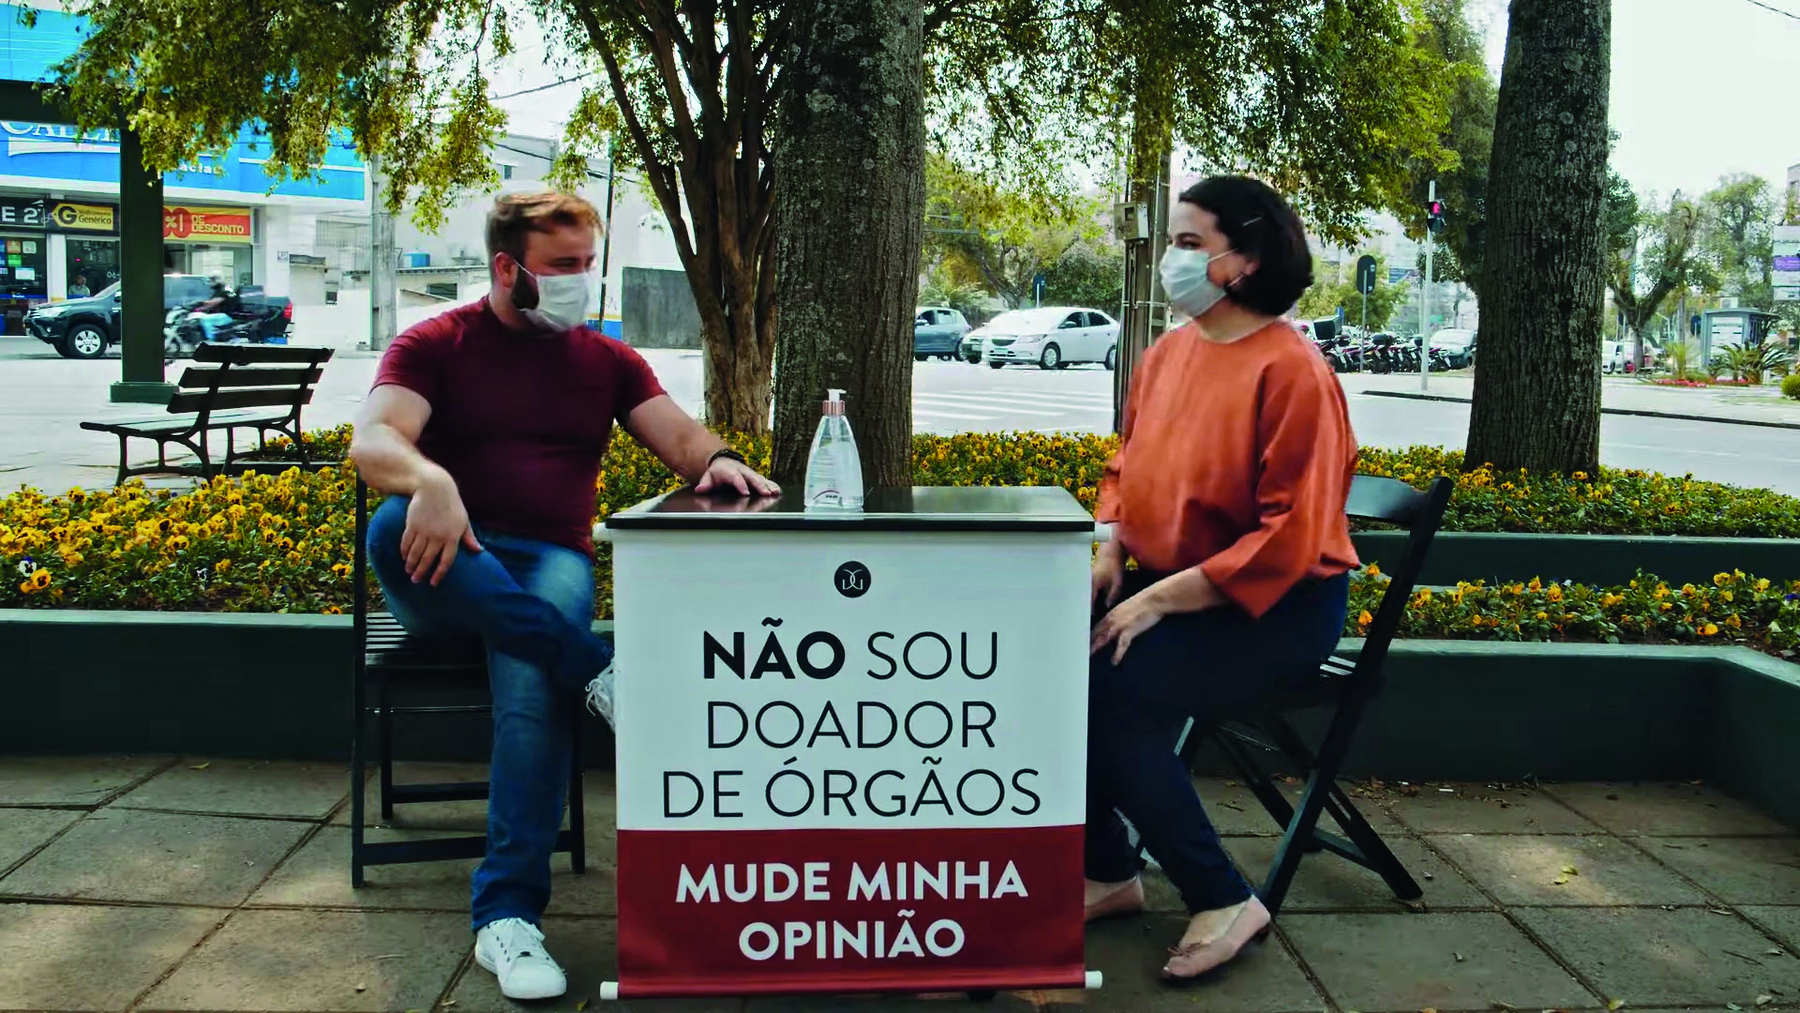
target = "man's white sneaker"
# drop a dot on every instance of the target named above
(513, 949)
(600, 695)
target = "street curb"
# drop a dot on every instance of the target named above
(1678, 416)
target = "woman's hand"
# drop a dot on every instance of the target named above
(1123, 624)
(1109, 575)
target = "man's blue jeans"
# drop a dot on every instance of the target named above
(533, 604)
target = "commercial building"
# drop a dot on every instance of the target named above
(222, 215)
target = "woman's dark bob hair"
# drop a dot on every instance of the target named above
(1261, 226)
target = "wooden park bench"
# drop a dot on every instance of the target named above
(261, 387)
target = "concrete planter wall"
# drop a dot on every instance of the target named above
(278, 687)
(1585, 559)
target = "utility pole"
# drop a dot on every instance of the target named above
(1143, 223)
(384, 263)
(606, 238)
(1637, 333)
(1433, 222)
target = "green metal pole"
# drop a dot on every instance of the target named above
(140, 277)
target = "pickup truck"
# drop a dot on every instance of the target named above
(86, 328)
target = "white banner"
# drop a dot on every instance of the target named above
(776, 680)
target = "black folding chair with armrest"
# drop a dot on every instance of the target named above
(389, 658)
(1347, 686)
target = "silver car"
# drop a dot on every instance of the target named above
(1052, 337)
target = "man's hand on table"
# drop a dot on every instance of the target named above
(725, 473)
(436, 526)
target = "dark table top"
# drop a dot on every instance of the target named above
(1035, 509)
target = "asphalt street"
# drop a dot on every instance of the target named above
(43, 398)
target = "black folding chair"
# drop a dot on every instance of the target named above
(388, 658)
(1347, 687)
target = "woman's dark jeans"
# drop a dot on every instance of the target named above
(1200, 665)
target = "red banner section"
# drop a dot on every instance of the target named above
(724, 912)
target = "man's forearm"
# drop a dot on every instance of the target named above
(389, 462)
(697, 448)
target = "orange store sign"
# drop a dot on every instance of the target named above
(207, 225)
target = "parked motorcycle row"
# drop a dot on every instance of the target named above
(1376, 353)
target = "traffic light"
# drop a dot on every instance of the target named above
(1434, 216)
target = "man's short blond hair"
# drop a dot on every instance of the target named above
(516, 214)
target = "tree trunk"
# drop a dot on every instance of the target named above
(739, 345)
(850, 221)
(1537, 388)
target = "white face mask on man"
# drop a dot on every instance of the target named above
(555, 302)
(1185, 281)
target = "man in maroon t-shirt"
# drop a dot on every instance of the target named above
(486, 427)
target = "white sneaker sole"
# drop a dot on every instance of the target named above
(487, 964)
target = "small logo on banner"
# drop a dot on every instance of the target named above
(852, 580)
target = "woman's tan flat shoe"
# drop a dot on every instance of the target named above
(1187, 963)
(1126, 898)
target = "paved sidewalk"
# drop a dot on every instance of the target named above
(1731, 404)
(140, 883)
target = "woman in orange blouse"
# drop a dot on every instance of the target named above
(1228, 490)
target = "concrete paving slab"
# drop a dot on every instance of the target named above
(1783, 921)
(1326, 882)
(70, 780)
(587, 948)
(24, 830)
(1534, 870)
(1741, 870)
(319, 876)
(1131, 953)
(430, 815)
(88, 956)
(349, 961)
(1651, 957)
(1235, 812)
(1665, 809)
(1482, 809)
(243, 788)
(156, 858)
(1460, 960)
(471, 817)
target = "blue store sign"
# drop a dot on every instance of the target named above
(55, 152)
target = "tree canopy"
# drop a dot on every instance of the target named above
(1338, 103)
(1738, 238)
(1652, 254)
(1468, 133)
(1002, 238)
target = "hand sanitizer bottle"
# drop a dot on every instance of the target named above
(833, 469)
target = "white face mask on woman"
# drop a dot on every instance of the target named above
(559, 302)
(1186, 283)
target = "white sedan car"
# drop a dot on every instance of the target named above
(1053, 337)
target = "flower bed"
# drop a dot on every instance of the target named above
(281, 543)
(1734, 608)
(1670, 381)
(1611, 502)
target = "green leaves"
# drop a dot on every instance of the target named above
(399, 80)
